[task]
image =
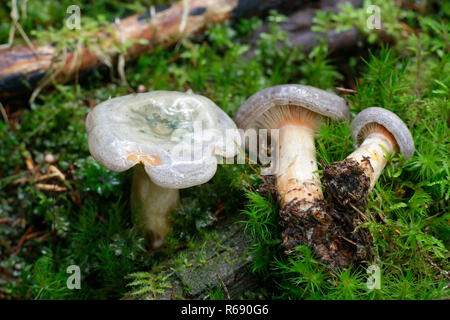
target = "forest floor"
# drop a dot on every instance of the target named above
(86, 220)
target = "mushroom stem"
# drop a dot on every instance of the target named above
(297, 177)
(372, 153)
(152, 205)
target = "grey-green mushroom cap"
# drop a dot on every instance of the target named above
(313, 99)
(175, 135)
(390, 121)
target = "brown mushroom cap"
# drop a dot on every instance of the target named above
(390, 121)
(313, 99)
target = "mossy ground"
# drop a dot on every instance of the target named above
(89, 224)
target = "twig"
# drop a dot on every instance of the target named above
(352, 196)
(222, 284)
(251, 167)
(357, 210)
(30, 164)
(44, 236)
(6, 220)
(54, 170)
(248, 180)
(29, 235)
(23, 238)
(433, 216)
(381, 216)
(50, 187)
(348, 240)
(345, 90)
(4, 114)
(27, 40)
(219, 210)
(16, 25)
(441, 272)
(49, 76)
(54, 173)
(41, 178)
(121, 59)
(12, 30)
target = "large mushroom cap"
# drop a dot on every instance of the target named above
(390, 121)
(316, 100)
(176, 136)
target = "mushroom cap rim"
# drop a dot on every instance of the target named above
(311, 98)
(103, 140)
(390, 121)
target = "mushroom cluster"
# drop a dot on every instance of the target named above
(173, 141)
(297, 111)
(171, 138)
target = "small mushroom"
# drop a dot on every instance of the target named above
(381, 132)
(171, 138)
(297, 111)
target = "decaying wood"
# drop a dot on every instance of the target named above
(22, 68)
(298, 28)
(222, 262)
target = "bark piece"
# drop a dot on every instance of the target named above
(227, 255)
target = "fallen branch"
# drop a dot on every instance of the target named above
(22, 68)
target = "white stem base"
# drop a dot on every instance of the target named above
(151, 205)
(376, 148)
(296, 176)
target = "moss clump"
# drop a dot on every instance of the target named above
(43, 232)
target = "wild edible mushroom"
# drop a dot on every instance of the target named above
(171, 138)
(381, 132)
(297, 111)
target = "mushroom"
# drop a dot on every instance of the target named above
(381, 132)
(296, 111)
(171, 138)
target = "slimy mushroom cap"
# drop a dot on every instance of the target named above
(176, 136)
(390, 121)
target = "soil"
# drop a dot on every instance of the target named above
(347, 182)
(326, 227)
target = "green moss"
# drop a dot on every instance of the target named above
(89, 224)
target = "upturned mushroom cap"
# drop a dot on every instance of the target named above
(316, 100)
(390, 121)
(176, 136)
